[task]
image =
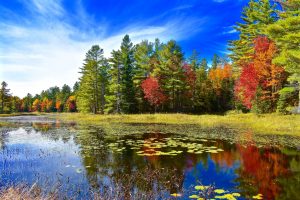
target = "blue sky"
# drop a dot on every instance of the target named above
(43, 42)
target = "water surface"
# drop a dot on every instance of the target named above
(147, 161)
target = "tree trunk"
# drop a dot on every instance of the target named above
(102, 98)
(118, 91)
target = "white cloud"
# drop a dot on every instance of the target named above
(46, 54)
(229, 30)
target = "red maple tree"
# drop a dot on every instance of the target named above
(153, 92)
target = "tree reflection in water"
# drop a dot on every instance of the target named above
(273, 171)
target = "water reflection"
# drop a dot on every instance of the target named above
(84, 161)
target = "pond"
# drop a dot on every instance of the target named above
(147, 161)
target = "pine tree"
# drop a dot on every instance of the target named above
(286, 34)
(90, 92)
(255, 16)
(201, 100)
(170, 73)
(142, 55)
(115, 87)
(4, 98)
(194, 64)
(127, 61)
(215, 61)
(27, 103)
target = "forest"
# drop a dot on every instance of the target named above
(261, 74)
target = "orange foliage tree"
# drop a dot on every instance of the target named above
(260, 80)
(220, 76)
(46, 105)
(36, 105)
(59, 105)
(71, 104)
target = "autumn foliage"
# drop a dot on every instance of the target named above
(58, 105)
(36, 105)
(71, 104)
(152, 91)
(260, 80)
(190, 79)
(245, 88)
(219, 75)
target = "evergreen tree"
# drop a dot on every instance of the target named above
(286, 34)
(15, 104)
(255, 16)
(201, 99)
(142, 55)
(194, 63)
(215, 61)
(27, 103)
(127, 61)
(4, 98)
(75, 88)
(90, 92)
(115, 88)
(170, 73)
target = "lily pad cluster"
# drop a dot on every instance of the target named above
(164, 146)
(213, 193)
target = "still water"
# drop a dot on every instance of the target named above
(138, 161)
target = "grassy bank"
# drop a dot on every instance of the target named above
(263, 124)
(21, 114)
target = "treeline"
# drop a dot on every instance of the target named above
(262, 75)
(153, 77)
(53, 99)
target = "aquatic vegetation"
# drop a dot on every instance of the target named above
(201, 187)
(210, 192)
(168, 146)
(219, 191)
(194, 196)
(258, 196)
(92, 159)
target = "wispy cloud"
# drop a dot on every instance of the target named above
(229, 30)
(46, 49)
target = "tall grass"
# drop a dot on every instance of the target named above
(262, 124)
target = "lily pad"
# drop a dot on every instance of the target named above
(259, 196)
(236, 194)
(194, 196)
(226, 196)
(200, 187)
(219, 191)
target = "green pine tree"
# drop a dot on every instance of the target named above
(286, 34)
(4, 98)
(127, 62)
(171, 74)
(255, 16)
(115, 86)
(142, 55)
(90, 93)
